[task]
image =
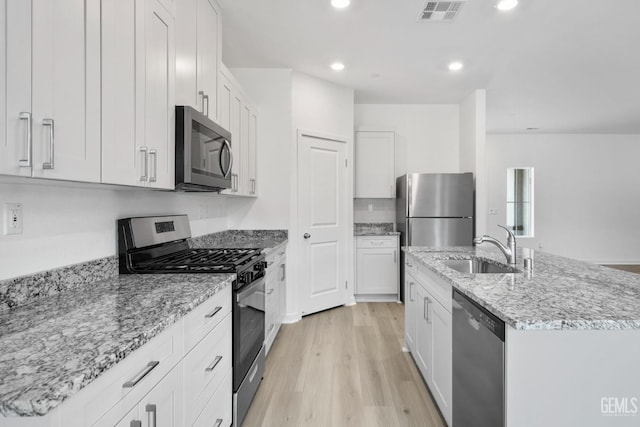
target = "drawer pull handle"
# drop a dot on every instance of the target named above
(152, 415)
(135, 423)
(213, 313)
(214, 364)
(135, 380)
(218, 422)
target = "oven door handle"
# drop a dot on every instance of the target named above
(249, 290)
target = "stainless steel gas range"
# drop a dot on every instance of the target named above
(159, 244)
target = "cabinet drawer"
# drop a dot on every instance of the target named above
(275, 257)
(205, 367)
(217, 411)
(109, 393)
(205, 317)
(377, 242)
(436, 286)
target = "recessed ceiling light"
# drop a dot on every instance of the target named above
(340, 4)
(455, 66)
(506, 4)
(337, 66)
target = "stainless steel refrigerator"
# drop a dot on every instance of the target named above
(434, 210)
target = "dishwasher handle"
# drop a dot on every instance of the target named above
(479, 315)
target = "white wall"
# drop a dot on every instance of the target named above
(473, 150)
(587, 193)
(70, 223)
(326, 108)
(427, 136)
(271, 90)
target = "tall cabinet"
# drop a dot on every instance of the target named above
(50, 72)
(138, 100)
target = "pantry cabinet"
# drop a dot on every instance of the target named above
(138, 97)
(428, 330)
(51, 85)
(239, 114)
(375, 165)
(198, 55)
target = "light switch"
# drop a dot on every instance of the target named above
(493, 211)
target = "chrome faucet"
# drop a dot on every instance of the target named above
(509, 251)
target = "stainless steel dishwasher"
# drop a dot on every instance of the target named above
(478, 365)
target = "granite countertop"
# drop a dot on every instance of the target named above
(560, 293)
(374, 229)
(57, 345)
(268, 240)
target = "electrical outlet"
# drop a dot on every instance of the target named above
(12, 218)
(493, 211)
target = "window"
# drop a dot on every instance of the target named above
(520, 201)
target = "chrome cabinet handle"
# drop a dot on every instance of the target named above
(410, 291)
(135, 423)
(213, 313)
(395, 256)
(144, 162)
(27, 162)
(201, 93)
(153, 155)
(424, 309)
(254, 185)
(205, 97)
(284, 272)
(135, 380)
(218, 422)
(214, 364)
(152, 415)
(306, 235)
(49, 164)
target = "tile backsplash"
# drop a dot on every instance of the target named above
(383, 210)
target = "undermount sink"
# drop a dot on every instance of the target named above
(476, 265)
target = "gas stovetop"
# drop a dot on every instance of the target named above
(218, 260)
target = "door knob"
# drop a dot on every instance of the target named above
(306, 235)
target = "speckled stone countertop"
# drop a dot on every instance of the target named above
(374, 229)
(267, 240)
(560, 293)
(55, 346)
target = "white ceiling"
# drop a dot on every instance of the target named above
(564, 66)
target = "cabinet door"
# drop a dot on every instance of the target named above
(160, 95)
(15, 87)
(123, 158)
(375, 165)
(423, 338)
(410, 317)
(164, 404)
(377, 271)
(252, 141)
(441, 360)
(209, 55)
(66, 90)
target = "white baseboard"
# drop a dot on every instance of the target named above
(377, 298)
(292, 318)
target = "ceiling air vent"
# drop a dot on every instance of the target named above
(441, 11)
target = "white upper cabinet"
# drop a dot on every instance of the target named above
(375, 165)
(51, 83)
(138, 97)
(239, 115)
(198, 55)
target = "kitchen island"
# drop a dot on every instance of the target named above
(572, 339)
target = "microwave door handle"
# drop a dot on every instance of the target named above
(228, 146)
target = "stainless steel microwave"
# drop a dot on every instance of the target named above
(203, 152)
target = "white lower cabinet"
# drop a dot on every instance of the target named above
(275, 290)
(377, 267)
(428, 331)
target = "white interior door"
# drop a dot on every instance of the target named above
(322, 222)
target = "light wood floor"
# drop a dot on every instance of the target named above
(629, 268)
(343, 367)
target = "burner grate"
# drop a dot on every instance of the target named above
(204, 260)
